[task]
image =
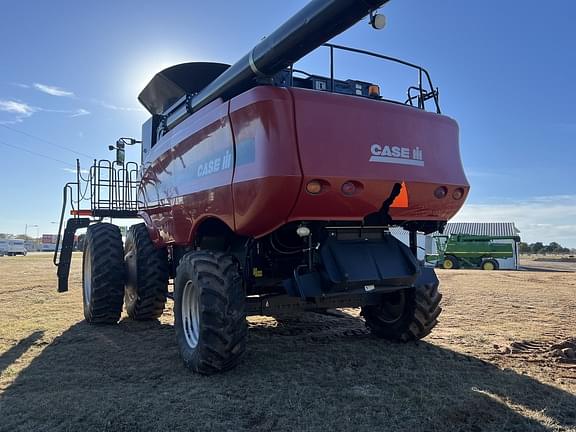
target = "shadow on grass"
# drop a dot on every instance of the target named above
(14, 353)
(130, 378)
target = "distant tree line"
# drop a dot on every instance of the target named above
(540, 248)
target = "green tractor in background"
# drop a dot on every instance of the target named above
(472, 251)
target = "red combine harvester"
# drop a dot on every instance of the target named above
(265, 190)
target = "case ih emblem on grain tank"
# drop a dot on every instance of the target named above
(251, 210)
(215, 165)
(397, 155)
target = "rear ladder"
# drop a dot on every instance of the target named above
(111, 191)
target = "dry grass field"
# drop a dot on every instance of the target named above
(500, 360)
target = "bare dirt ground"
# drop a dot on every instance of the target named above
(500, 360)
(548, 263)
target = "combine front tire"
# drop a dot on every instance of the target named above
(409, 314)
(147, 275)
(103, 274)
(209, 312)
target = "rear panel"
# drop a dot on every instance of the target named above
(375, 144)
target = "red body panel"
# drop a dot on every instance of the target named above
(267, 177)
(187, 176)
(335, 138)
(282, 138)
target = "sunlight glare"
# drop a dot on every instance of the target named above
(143, 67)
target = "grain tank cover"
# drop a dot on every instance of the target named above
(174, 82)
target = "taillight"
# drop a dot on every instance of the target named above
(348, 188)
(441, 192)
(458, 193)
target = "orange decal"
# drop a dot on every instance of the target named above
(401, 201)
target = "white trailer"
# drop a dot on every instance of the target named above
(12, 247)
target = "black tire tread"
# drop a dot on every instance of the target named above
(420, 318)
(107, 255)
(223, 328)
(152, 277)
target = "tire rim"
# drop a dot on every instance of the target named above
(392, 311)
(448, 264)
(488, 266)
(191, 314)
(87, 279)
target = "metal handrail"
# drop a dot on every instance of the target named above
(110, 188)
(422, 72)
(67, 188)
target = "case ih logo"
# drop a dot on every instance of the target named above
(397, 155)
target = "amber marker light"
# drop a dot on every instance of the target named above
(374, 91)
(314, 187)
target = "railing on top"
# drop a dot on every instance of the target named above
(109, 190)
(113, 186)
(415, 95)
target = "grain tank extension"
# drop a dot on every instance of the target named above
(265, 190)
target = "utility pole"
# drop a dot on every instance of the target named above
(26, 231)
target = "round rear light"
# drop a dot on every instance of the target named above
(303, 231)
(348, 188)
(458, 193)
(314, 187)
(441, 192)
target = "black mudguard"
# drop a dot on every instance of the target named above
(358, 265)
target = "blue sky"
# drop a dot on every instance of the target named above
(71, 71)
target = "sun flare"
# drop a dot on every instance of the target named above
(144, 66)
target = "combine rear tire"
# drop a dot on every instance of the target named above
(450, 262)
(209, 312)
(147, 275)
(103, 274)
(490, 264)
(408, 314)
